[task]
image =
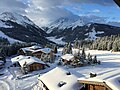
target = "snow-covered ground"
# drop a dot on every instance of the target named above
(92, 35)
(58, 41)
(110, 62)
(11, 40)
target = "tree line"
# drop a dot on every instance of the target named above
(107, 43)
(7, 49)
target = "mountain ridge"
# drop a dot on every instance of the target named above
(21, 28)
(89, 31)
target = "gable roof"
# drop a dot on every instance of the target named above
(67, 57)
(44, 50)
(31, 49)
(26, 59)
(52, 78)
(111, 79)
(30, 60)
(35, 47)
(17, 58)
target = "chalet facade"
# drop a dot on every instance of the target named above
(67, 58)
(107, 80)
(28, 63)
(45, 54)
(94, 85)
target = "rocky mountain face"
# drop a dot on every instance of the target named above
(21, 28)
(68, 30)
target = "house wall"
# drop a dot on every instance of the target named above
(47, 57)
(29, 53)
(66, 61)
(36, 66)
(95, 87)
(37, 54)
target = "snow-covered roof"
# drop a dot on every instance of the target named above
(111, 78)
(67, 57)
(27, 49)
(32, 48)
(26, 59)
(35, 47)
(58, 75)
(29, 60)
(44, 50)
(17, 58)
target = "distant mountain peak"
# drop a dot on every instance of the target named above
(15, 17)
(65, 22)
(14, 26)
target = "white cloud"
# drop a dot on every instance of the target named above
(92, 18)
(96, 11)
(43, 11)
(12, 6)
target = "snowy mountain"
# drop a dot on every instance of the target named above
(21, 28)
(15, 17)
(65, 22)
(88, 31)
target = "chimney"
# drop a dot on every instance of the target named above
(93, 75)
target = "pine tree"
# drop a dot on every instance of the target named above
(69, 51)
(89, 58)
(83, 54)
(76, 44)
(114, 46)
(55, 49)
(95, 59)
(109, 45)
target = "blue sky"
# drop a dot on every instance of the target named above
(110, 12)
(42, 12)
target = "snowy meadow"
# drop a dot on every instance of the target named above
(110, 61)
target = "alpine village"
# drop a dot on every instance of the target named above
(72, 52)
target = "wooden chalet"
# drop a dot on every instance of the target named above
(105, 80)
(28, 63)
(44, 53)
(41, 53)
(28, 50)
(67, 58)
(66, 80)
(94, 85)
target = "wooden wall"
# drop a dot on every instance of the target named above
(95, 87)
(36, 66)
